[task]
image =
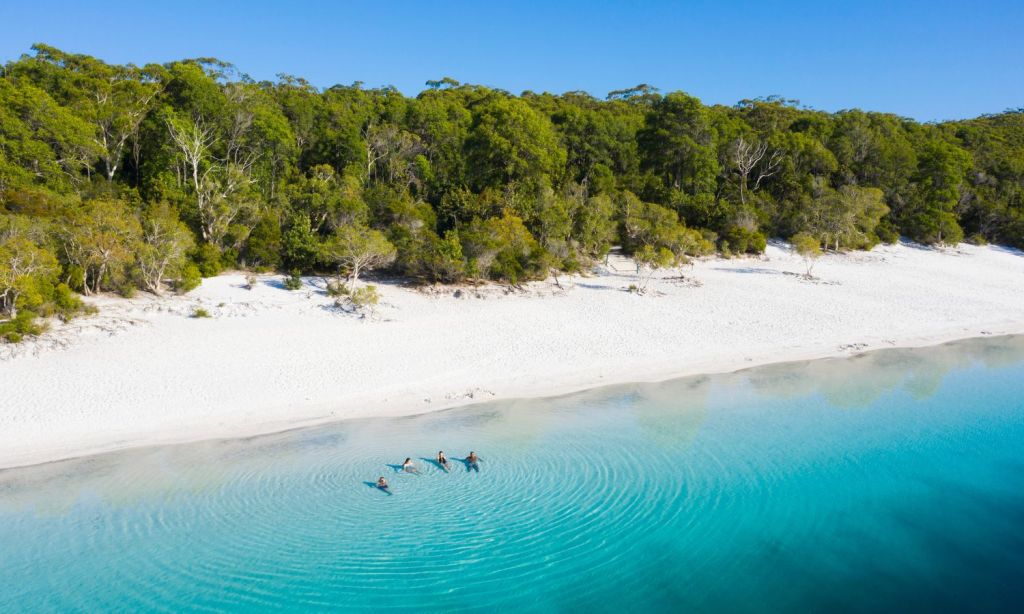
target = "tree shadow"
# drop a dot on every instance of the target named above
(598, 287)
(1013, 251)
(952, 250)
(752, 270)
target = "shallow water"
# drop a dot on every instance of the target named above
(890, 480)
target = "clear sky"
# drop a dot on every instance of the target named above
(927, 60)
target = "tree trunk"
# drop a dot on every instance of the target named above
(354, 277)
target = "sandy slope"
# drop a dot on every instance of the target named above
(143, 372)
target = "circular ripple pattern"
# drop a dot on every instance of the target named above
(596, 503)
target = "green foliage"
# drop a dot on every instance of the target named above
(207, 259)
(929, 216)
(363, 298)
(594, 226)
(847, 218)
(264, 247)
(300, 245)
(742, 240)
(650, 259)
(136, 177)
(358, 299)
(678, 145)
(102, 238)
(355, 249)
(886, 232)
(808, 247)
(15, 329)
(651, 225)
(503, 249)
(439, 259)
(514, 142)
(163, 251)
(294, 280)
(200, 312)
(189, 279)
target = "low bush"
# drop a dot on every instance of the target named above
(25, 324)
(190, 279)
(367, 296)
(207, 259)
(293, 281)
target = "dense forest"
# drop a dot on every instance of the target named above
(117, 178)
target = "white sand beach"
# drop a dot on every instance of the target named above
(143, 372)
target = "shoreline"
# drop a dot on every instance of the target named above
(272, 361)
(239, 432)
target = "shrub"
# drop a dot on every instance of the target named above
(743, 241)
(887, 232)
(367, 296)
(250, 281)
(190, 279)
(503, 249)
(977, 239)
(126, 289)
(228, 258)
(293, 281)
(431, 257)
(200, 313)
(208, 259)
(336, 288)
(300, 244)
(808, 247)
(25, 324)
(66, 300)
(76, 277)
(361, 299)
(264, 244)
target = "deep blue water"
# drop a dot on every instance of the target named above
(889, 481)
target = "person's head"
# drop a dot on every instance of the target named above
(381, 479)
(408, 460)
(440, 452)
(472, 453)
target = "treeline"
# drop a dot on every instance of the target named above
(122, 177)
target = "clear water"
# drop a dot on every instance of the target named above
(889, 481)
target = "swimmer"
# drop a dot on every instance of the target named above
(409, 467)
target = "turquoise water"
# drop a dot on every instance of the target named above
(893, 480)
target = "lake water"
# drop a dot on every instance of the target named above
(893, 480)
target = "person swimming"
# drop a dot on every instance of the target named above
(443, 460)
(382, 483)
(472, 462)
(409, 467)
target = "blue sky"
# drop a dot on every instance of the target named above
(927, 60)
